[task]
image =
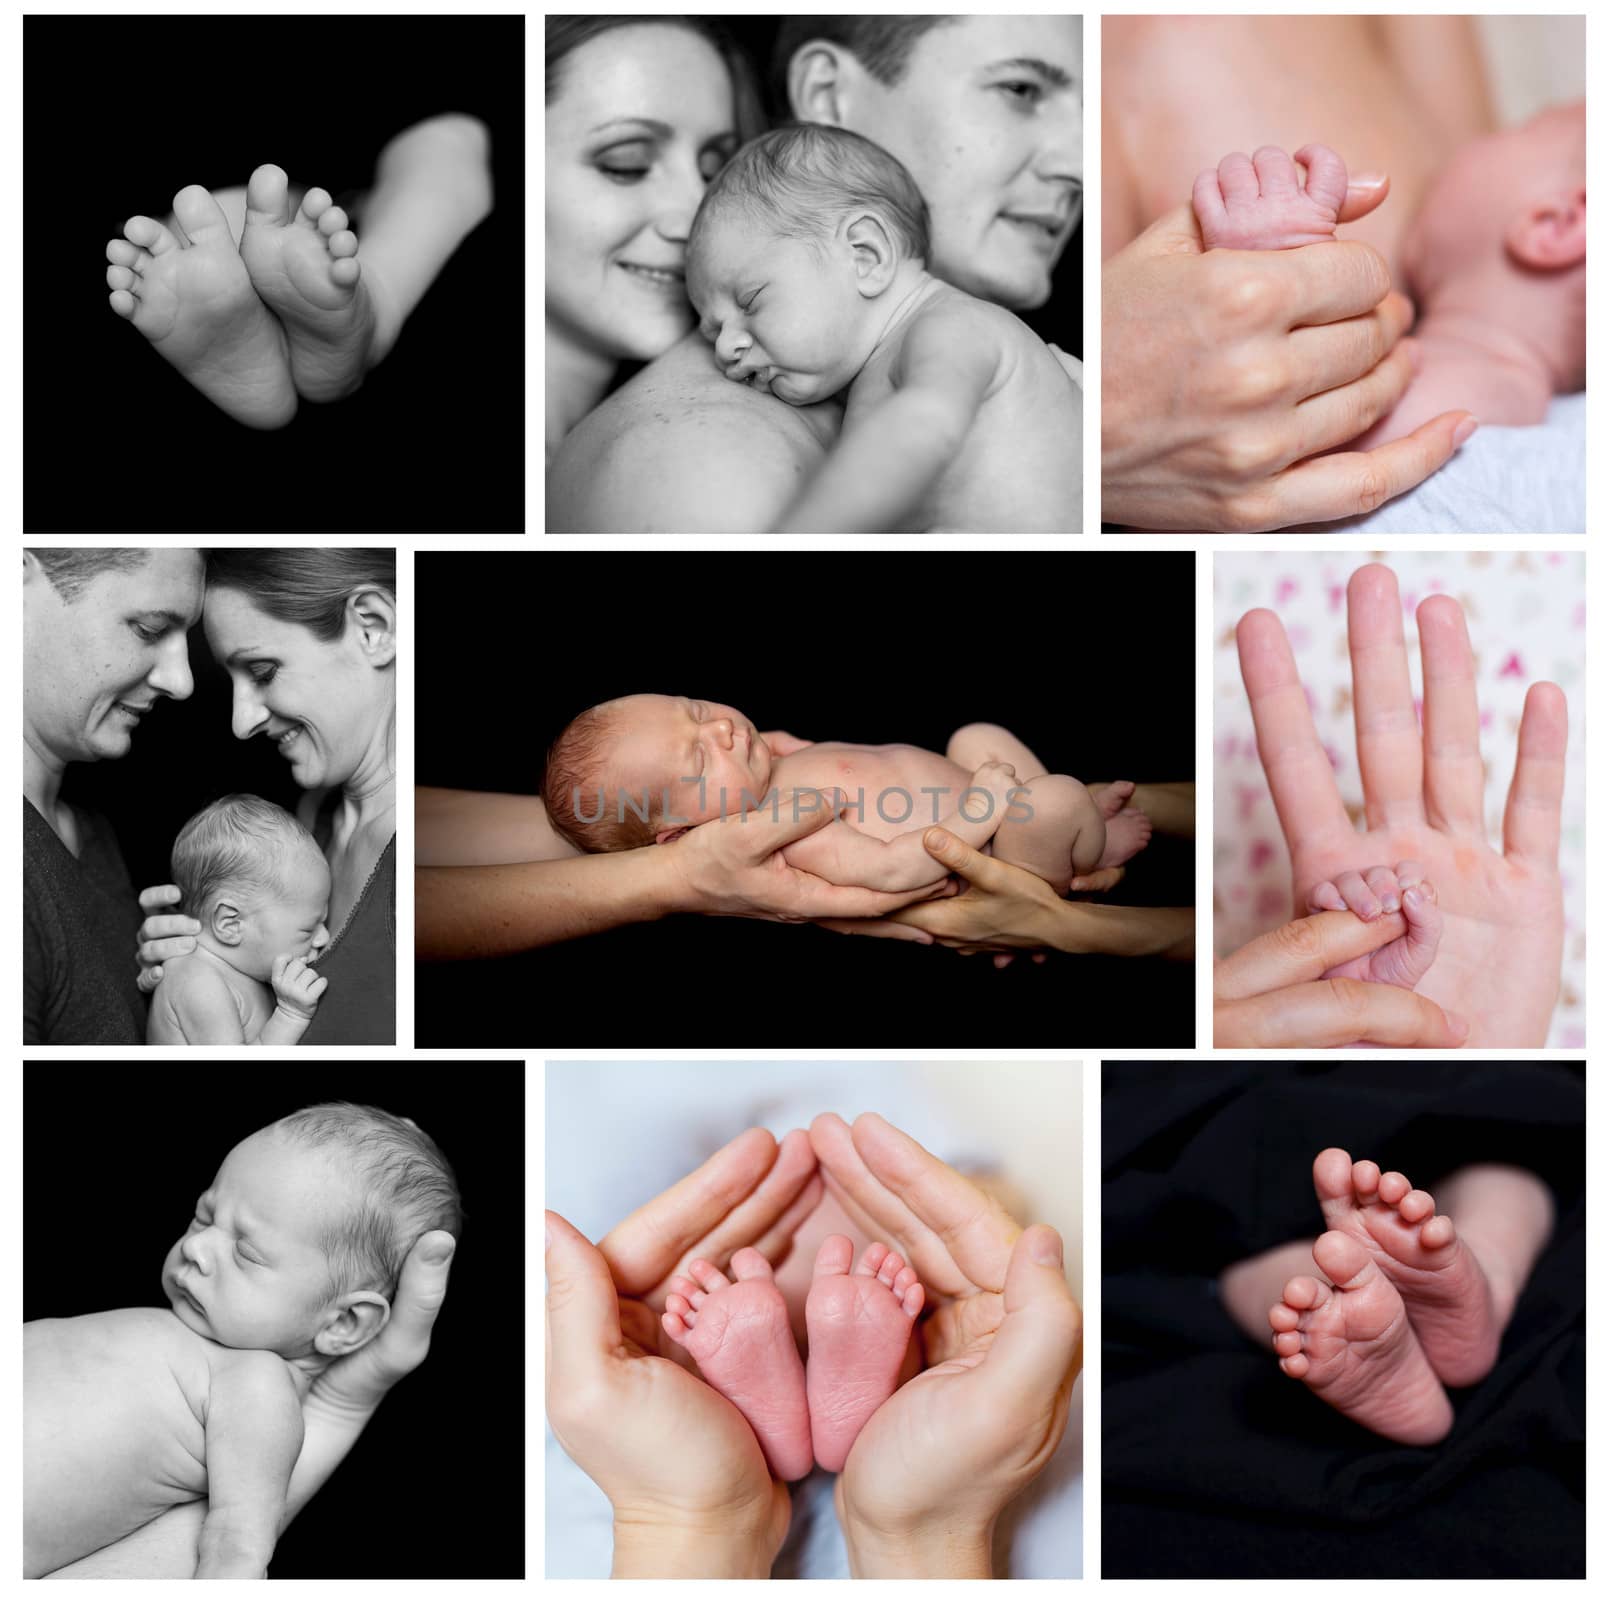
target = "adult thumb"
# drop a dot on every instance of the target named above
(1177, 233)
(580, 1303)
(1038, 1346)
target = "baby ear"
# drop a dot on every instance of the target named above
(873, 255)
(1549, 235)
(667, 835)
(227, 926)
(358, 1319)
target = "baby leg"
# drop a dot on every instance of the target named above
(980, 742)
(1064, 835)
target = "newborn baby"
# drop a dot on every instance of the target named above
(805, 263)
(258, 885)
(647, 767)
(291, 1262)
(1494, 257)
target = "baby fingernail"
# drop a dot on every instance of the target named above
(1046, 1248)
(1464, 431)
(1391, 902)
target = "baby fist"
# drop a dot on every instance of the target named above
(297, 986)
(1257, 202)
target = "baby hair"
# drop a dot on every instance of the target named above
(407, 1189)
(802, 181)
(238, 842)
(575, 783)
(309, 586)
(72, 571)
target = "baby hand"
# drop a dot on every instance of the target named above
(998, 778)
(1257, 203)
(1371, 893)
(297, 986)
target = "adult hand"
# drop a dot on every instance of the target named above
(1273, 992)
(161, 937)
(689, 1487)
(931, 1471)
(1226, 372)
(1499, 962)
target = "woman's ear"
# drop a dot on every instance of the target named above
(818, 81)
(356, 1320)
(370, 615)
(873, 254)
(1550, 235)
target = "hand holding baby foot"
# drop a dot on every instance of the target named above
(1259, 202)
(1371, 894)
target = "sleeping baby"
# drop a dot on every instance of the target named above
(1495, 258)
(258, 885)
(291, 1261)
(806, 266)
(647, 767)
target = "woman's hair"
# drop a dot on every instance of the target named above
(883, 45)
(800, 182)
(406, 1189)
(72, 571)
(563, 35)
(238, 841)
(573, 786)
(305, 585)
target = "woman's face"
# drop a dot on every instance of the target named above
(325, 705)
(988, 118)
(643, 118)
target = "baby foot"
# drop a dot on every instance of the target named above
(193, 300)
(1372, 892)
(739, 1335)
(304, 267)
(1128, 829)
(1257, 202)
(857, 1324)
(1353, 1347)
(1446, 1294)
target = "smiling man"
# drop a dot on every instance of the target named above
(987, 115)
(104, 640)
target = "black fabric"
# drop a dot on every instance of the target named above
(1214, 1464)
(80, 918)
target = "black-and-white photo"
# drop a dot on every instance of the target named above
(813, 275)
(221, 872)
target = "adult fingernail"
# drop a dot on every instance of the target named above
(1464, 431)
(1458, 1025)
(936, 838)
(1046, 1248)
(1366, 180)
(439, 1254)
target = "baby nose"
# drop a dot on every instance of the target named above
(731, 344)
(319, 940)
(193, 1253)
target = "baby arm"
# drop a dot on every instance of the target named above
(885, 463)
(253, 1435)
(297, 989)
(1259, 202)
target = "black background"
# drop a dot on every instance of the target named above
(121, 113)
(114, 1160)
(1214, 1464)
(1087, 658)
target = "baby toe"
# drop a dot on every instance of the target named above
(903, 1280)
(1386, 886)
(706, 1275)
(123, 303)
(750, 1263)
(1393, 1188)
(889, 1269)
(1437, 1232)
(1301, 1293)
(1365, 1175)
(1295, 1366)
(1283, 1318)
(1286, 1344)
(911, 1303)
(314, 203)
(122, 253)
(332, 221)
(342, 244)
(871, 1259)
(346, 272)
(118, 278)
(1417, 1206)
(150, 235)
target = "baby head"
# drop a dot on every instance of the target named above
(641, 769)
(256, 882)
(794, 256)
(298, 1243)
(1502, 229)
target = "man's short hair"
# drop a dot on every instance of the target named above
(239, 841)
(72, 571)
(883, 45)
(406, 1189)
(802, 181)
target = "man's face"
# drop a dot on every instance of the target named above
(93, 666)
(249, 1272)
(780, 312)
(704, 754)
(988, 118)
(293, 923)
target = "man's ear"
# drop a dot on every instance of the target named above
(354, 1320)
(370, 615)
(873, 254)
(227, 926)
(1549, 235)
(823, 80)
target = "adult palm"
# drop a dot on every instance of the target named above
(1499, 961)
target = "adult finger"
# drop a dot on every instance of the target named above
(778, 1240)
(424, 1279)
(874, 928)
(1533, 807)
(1330, 356)
(1354, 482)
(161, 894)
(154, 951)
(644, 1248)
(1326, 421)
(1100, 881)
(977, 1231)
(1452, 768)
(582, 1324)
(1388, 745)
(796, 813)
(1365, 192)
(1301, 951)
(1038, 1347)
(1296, 764)
(748, 1221)
(1337, 1011)
(1328, 282)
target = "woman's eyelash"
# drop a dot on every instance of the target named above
(1023, 89)
(625, 174)
(149, 635)
(263, 674)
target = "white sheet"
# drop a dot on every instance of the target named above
(660, 1120)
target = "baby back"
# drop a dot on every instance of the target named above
(113, 1428)
(889, 789)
